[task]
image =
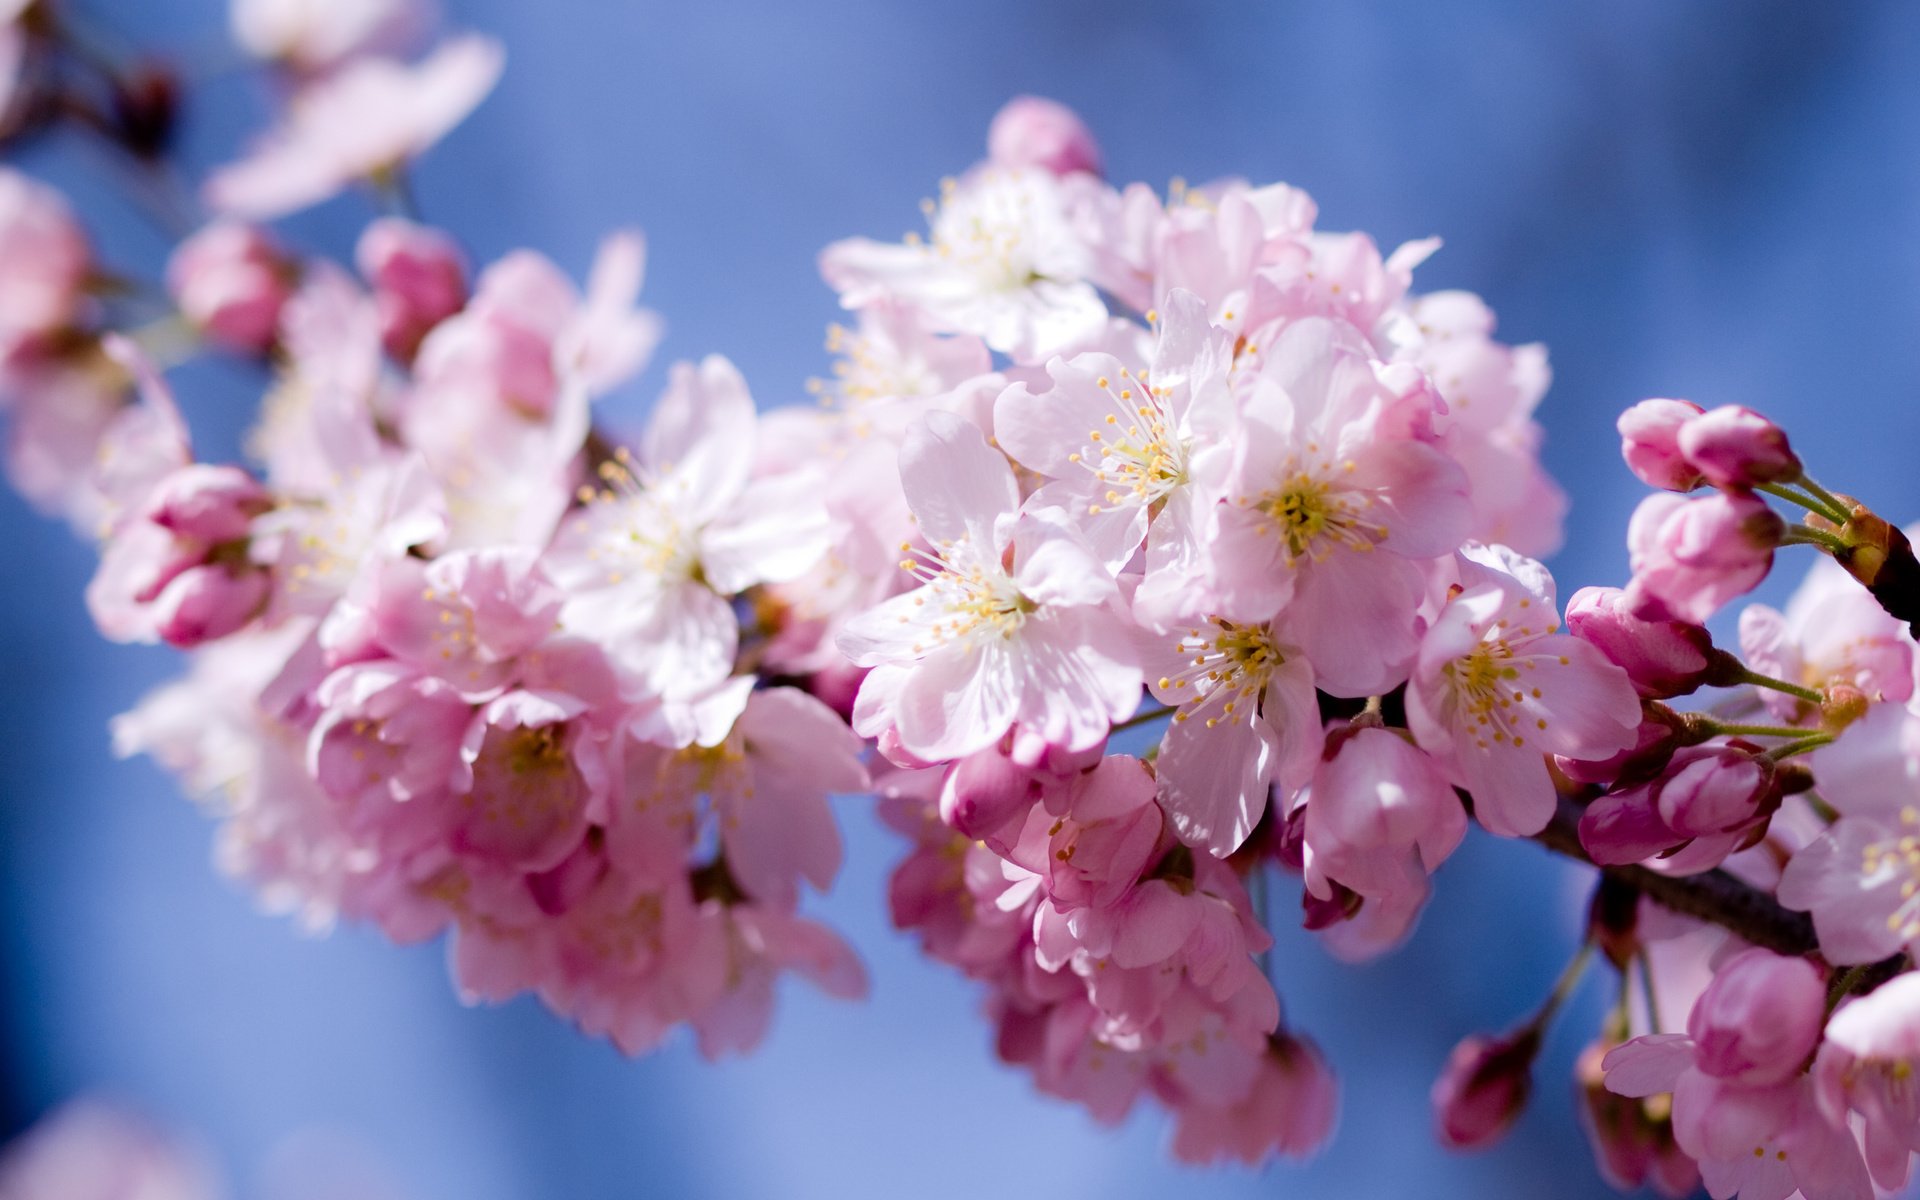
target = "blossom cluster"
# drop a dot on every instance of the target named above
(1140, 551)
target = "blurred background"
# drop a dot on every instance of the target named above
(1715, 200)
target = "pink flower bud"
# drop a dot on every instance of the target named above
(230, 281)
(984, 792)
(1032, 131)
(1663, 658)
(46, 256)
(1483, 1088)
(1035, 753)
(207, 602)
(1625, 827)
(1759, 1019)
(1655, 744)
(1716, 789)
(1650, 442)
(1692, 556)
(1735, 447)
(418, 276)
(208, 502)
(1632, 1138)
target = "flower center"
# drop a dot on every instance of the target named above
(1313, 517)
(984, 230)
(1143, 459)
(1485, 682)
(974, 598)
(641, 533)
(1899, 856)
(1227, 664)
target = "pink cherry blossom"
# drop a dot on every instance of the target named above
(1032, 131)
(1867, 1064)
(230, 280)
(1491, 391)
(1692, 556)
(1246, 720)
(1290, 1110)
(1764, 1141)
(1014, 622)
(1483, 1089)
(1860, 879)
(768, 780)
(47, 259)
(1002, 260)
(1380, 816)
(1117, 442)
(1735, 447)
(1650, 442)
(313, 35)
(90, 1150)
(371, 117)
(677, 528)
(419, 278)
(1832, 632)
(1496, 687)
(1759, 1019)
(1663, 658)
(1332, 496)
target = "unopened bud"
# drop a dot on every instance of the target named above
(1737, 447)
(1759, 1018)
(1483, 1088)
(1650, 442)
(1663, 658)
(1032, 131)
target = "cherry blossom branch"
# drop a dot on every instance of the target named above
(1713, 896)
(1721, 899)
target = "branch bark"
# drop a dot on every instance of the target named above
(1714, 896)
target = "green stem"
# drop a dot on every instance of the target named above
(1782, 731)
(1808, 535)
(1563, 987)
(1749, 675)
(1828, 498)
(1810, 742)
(1812, 504)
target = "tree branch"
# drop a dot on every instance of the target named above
(1713, 896)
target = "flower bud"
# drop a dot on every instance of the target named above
(208, 502)
(1657, 739)
(1735, 447)
(983, 792)
(1035, 753)
(1483, 1088)
(1632, 1139)
(1692, 556)
(1650, 442)
(1625, 827)
(1341, 904)
(1709, 790)
(1759, 1019)
(207, 602)
(418, 276)
(46, 256)
(230, 281)
(1663, 658)
(1032, 131)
